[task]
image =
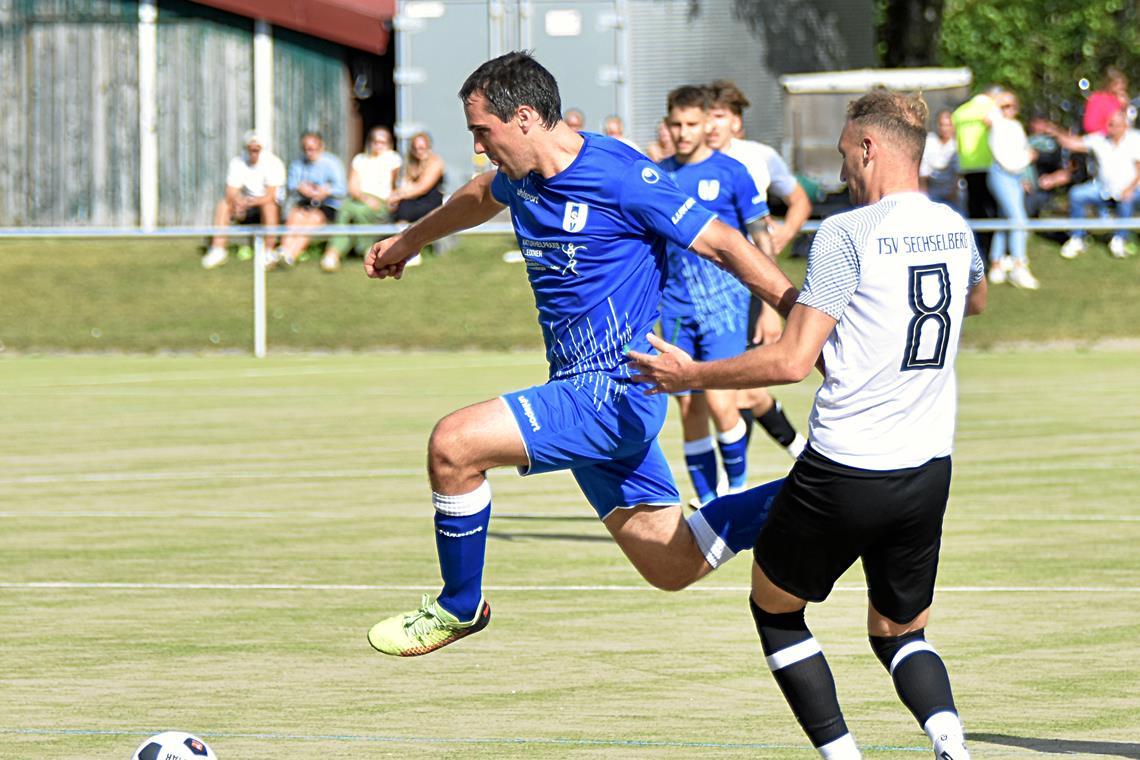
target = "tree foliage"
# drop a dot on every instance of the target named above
(1041, 48)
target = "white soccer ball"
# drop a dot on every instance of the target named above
(173, 745)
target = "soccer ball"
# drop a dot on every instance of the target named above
(173, 745)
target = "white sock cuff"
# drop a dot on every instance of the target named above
(712, 546)
(463, 504)
(799, 652)
(699, 446)
(843, 748)
(943, 724)
(907, 650)
(732, 436)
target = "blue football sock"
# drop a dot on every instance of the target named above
(734, 451)
(461, 542)
(700, 458)
(730, 524)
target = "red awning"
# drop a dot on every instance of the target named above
(356, 23)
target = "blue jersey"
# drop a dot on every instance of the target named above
(697, 288)
(593, 237)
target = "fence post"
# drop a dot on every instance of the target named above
(259, 296)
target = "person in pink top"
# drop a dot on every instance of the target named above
(1103, 103)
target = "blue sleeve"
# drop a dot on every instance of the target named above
(750, 202)
(501, 188)
(294, 176)
(652, 201)
(337, 184)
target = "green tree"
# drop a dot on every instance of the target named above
(1041, 48)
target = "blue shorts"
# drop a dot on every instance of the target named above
(702, 344)
(604, 430)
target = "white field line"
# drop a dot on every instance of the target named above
(399, 365)
(583, 515)
(142, 477)
(80, 585)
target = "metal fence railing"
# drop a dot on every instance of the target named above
(258, 235)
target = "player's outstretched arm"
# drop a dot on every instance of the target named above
(469, 206)
(788, 360)
(728, 249)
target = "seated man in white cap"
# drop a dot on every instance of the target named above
(255, 187)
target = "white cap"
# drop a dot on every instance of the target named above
(253, 136)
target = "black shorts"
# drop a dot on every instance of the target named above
(828, 515)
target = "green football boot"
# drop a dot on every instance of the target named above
(424, 630)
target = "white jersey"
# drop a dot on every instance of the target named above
(895, 276)
(252, 179)
(765, 165)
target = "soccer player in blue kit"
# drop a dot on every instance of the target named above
(592, 217)
(704, 309)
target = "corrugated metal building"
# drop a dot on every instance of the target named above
(124, 112)
(621, 57)
(94, 135)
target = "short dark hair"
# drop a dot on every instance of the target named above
(514, 80)
(898, 117)
(687, 96)
(725, 94)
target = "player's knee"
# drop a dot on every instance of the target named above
(666, 578)
(445, 449)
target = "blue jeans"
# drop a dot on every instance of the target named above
(1010, 196)
(1089, 194)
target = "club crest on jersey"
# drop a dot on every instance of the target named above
(708, 189)
(649, 175)
(574, 220)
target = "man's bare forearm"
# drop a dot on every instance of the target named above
(468, 207)
(728, 249)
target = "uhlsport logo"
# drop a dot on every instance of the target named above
(649, 175)
(574, 220)
(680, 213)
(524, 402)
(708, 189)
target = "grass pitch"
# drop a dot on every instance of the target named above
(202, 542)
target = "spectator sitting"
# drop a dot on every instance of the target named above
(255, 186)
(938, 170)
(661, 148)
(316, 189)
(1103, 103)
(1117, 155)
(371, 180)
(1007, 182)
(575, 119)
(614, 128)
(421, 188)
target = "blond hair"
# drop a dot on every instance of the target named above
(898, 118)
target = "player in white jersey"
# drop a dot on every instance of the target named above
(772, 177)
(881, 309)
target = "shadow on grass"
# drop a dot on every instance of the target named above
(1061, 746)
(548, 537)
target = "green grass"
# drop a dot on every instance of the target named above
(283, 505)
(150, 296)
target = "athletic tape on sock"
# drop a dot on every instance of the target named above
(699, 446)
(712, 546)
(463, 504)
(735, 434)
(907, 650)
(793, 654)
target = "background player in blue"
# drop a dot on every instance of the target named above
(704, 309)
(592, 217)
